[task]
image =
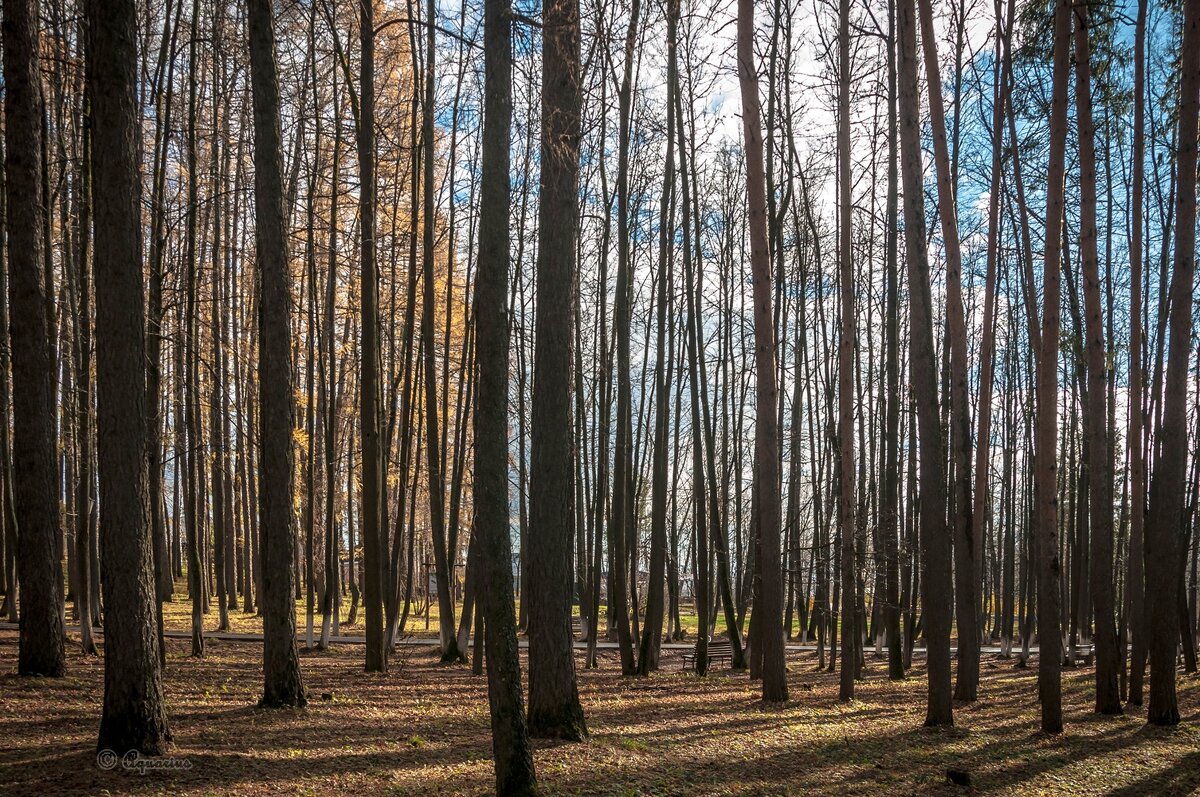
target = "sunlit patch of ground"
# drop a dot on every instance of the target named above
(423, 729)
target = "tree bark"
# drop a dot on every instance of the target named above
(1135, 575)
(967, 548)
(134, 716)
(847, 337)
(41, 648)
(1164, 520)
(766, 428)
(554, 708)
(1108, 698)
(934, 533)
(1046, 434)
(283, 685)
(510, 740)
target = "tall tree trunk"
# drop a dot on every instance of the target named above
(652, 630)
(443, 554)
(890, 491)
(1164, 520)
(967, 548)
(134, 715)
(368, 387)
(620, 520)
(283, 685)
(41, 648)
(847, 336)
(554, 708)
(1108, 698)
(84, 506)
(187, 370)
(934, 533)
(766, 428)
(1046, 436)
(1135, 582)
(510, 740)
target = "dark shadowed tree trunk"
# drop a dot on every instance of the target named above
(766, 424)
(134, 715)
(1100, 502)
(621, 519)
(510, 740)
(1165, 538)
(1135, 583)
(84, 505)
(648, 654)
(847, 338)
(443, 553)
(554, 709)
(283, 685)
(368, 387)
(934, 533)
(1046, 435)
(967, 549)
(890, 490)
(33, 445)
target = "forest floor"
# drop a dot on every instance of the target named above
(423, 729)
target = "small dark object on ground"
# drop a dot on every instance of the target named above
(327, 695)
(958, 777)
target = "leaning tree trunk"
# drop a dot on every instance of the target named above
(967, 547)
(648, 653)
(283, 685)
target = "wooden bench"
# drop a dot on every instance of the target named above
(717, 651)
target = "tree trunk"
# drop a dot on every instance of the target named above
(283, 685)
(554, 708)
(510, 740)
(1108, 699)
(1135, 582)
(1164, 520)
(847, 336)
(1046, 436)
(766, 429)
(934, 533)
(33, 443)
(622, 501)
(966, 545)
(134, 715)
(652, 630)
